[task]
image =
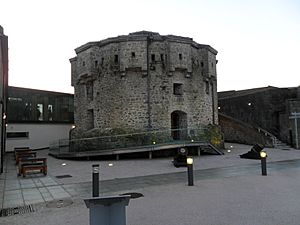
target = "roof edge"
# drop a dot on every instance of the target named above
(143, 36)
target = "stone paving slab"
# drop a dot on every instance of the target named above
(122, 184)
(36, 188)
(18, 191)
(237, 200)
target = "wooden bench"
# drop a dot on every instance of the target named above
(17, 148)
(32, 164)
(20, 149)
(24, 147)
(24, 154)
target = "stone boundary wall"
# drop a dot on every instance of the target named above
(239, 132)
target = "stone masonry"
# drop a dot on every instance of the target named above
(267, 108)
(144, 81)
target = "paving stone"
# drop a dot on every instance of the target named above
(30, 191)
(48, 199)
(13, 203)
(34, 197)
(13, 197)
(34, 201)
(38, 183)
(46, 195)
(43, 190)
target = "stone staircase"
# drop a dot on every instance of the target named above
(281, 145)
(276, 142)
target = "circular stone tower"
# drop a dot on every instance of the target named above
(143, 81)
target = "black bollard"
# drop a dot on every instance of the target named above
(263, 157)
(264, 166)
(190, 171)
(95, 180)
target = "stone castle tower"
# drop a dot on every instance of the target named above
(144, 81)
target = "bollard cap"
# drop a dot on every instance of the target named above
(95, 168)
(263, 154)
(189, 160)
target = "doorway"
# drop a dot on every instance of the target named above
(179, 125)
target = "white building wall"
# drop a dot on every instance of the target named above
(40, 135)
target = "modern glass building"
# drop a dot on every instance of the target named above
(35, 118)
(37, 106)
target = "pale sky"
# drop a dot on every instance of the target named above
(258, 40)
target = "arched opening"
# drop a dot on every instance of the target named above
(179, 125)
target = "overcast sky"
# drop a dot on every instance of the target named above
(258, 41)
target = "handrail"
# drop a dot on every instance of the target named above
(267, 133)
(130, 140)
(131, 134)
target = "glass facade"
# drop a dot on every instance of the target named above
(29, 105)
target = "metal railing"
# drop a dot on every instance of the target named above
(266, 133)
(132, 140)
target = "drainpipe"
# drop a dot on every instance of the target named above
(213, 101)
(149, 39)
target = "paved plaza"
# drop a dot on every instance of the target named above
(228, 190)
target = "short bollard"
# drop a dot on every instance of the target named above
(95, 179)
(263, 157)
(189, 162)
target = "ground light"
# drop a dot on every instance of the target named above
(95, 180)
(263, 157)
(190, 162)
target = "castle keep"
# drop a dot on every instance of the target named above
(143, 81)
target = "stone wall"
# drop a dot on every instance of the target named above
(239, 132)
(267, 108)
(128, 83)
